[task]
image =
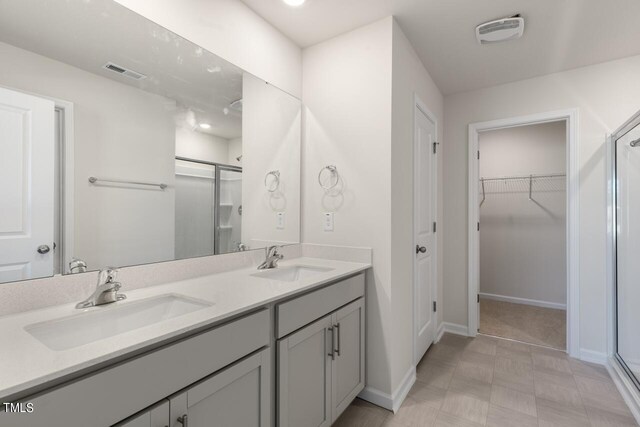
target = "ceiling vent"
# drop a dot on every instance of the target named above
(123, 71)
(500, 30)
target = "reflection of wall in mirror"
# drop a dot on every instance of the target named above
(121, 133)
(271, 130)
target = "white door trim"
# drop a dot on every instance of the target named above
(573, 217)
(419, 104)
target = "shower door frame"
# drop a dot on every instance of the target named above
(617, 362)
(216, 195)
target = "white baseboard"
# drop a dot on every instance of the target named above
(593, 356)
(456, 329)
(439, 333)
(526, 301)
(387, 401)
(627, 389)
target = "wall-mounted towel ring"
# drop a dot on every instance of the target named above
(275, 182)
(333, 170)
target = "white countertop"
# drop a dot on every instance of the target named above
(27, 363)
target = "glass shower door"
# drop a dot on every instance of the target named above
(627, 217)
(229, 210)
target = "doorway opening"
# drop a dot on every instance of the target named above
(523, 235)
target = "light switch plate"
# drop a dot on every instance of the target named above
(280, 220)
(328, 221)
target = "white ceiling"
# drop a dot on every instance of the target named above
(559, 34)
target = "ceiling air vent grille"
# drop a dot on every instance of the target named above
(500, 30)
(123, 71)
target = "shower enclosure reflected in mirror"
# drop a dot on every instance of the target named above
(122, 143)
(627, 246)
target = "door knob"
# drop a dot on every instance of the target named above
(43, 249)
(420, 249)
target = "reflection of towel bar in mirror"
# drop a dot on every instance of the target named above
(334, 172)
(93, 180)
(275, 183)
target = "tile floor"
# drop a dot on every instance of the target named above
(488, 381)
(534, 325)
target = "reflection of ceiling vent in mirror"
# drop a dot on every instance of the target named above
(236, 105)
(500, 30)
(123, 71)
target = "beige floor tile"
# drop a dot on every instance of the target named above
(546, 361)
(602, 418)
(471, 387)
(444, 353)
(484, 345)
(512, 366)
(454, 340)
(554, 377)
(467, 407)
(359, 415)
(478, 358)
(412, 414)
(560, 417)
(564, 396)
(447, 420)
(435, 373)
(513, 345)
(520, 383)
(512, 399)
(591, 370)
(427, 394)
(474, 371)
(503, 417)
(594, 386)
(522, 356)
(613, 403)
(559, 354)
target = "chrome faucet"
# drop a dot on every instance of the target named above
(106, 290)
(272, 258)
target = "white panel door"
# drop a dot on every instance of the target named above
(424, 228)
(27, 157)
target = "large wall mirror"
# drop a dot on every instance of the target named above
(122, 143)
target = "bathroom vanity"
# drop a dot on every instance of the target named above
(241, 348)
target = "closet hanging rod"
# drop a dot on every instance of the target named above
(504, 178)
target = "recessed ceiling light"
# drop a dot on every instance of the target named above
(294, 3)
(205, 125)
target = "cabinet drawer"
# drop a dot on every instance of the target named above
(294, 314)
(140, 382)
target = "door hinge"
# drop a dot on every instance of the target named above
(478, 225)
(434, 226)
(435, 306)
(478, 154)
(435, 145)
(478, 298)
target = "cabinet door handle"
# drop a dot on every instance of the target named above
(337, 328)
(183, 420)
(333, 344)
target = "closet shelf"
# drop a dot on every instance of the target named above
(531, 178)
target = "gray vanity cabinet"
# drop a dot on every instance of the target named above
(347, 373)
(237, 396)
(320, 367)
(157, 416)
(304, 376)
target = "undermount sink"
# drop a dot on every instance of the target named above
(291, 273)
(110, 320)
